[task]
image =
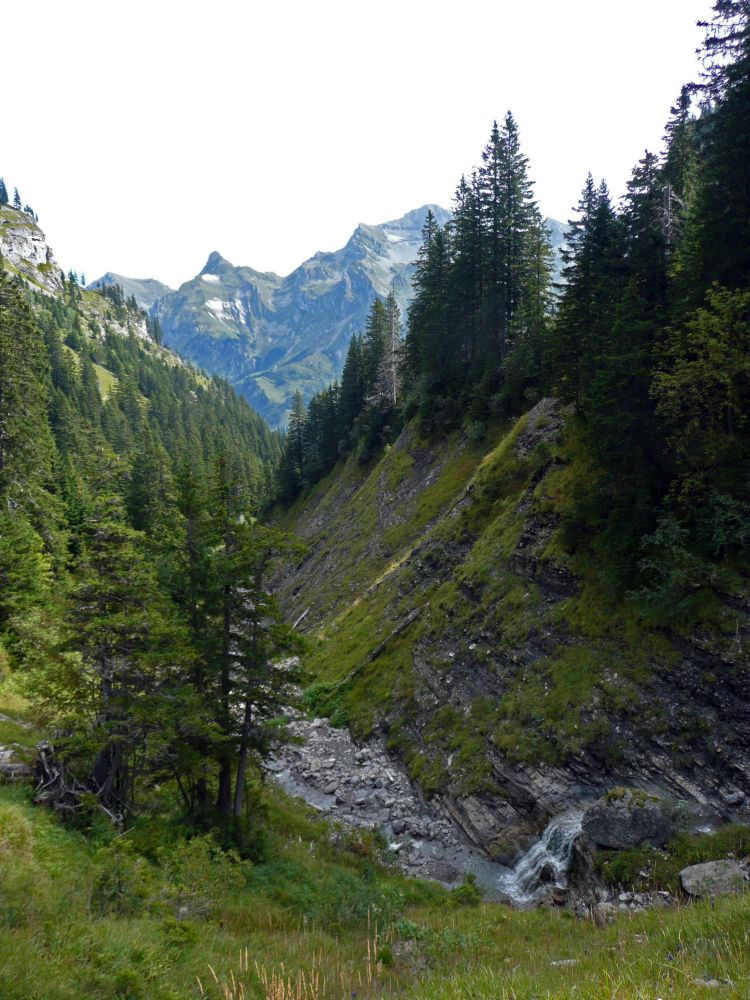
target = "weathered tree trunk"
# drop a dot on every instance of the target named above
(59, 790)
(224, 797)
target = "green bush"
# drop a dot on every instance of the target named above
(468, 893)
(476, 431)
(327, 699)
(198, 874)
(123, 880)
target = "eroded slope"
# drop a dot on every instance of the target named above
(445, 613)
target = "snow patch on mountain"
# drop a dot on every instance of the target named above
(216, 306)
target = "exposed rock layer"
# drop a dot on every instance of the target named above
(24, 247)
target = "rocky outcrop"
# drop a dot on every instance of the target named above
(12, 768)
(627, 818)
(24, 247)
(714, 878)
(26, 253)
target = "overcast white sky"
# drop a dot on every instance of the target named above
(146, 134)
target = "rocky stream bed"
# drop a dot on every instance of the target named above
(367, 787)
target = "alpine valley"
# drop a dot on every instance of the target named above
(442, 692)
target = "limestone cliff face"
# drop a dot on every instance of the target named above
(26, 251)
(445, 615)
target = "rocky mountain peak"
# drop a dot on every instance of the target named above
(215, 263)
(270, 335)
(146, 291)
(416, 218)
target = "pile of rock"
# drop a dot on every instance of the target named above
(361, 784)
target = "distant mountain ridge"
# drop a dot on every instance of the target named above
(271, 335)
(145, 290)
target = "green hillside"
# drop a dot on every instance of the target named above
(462, 622)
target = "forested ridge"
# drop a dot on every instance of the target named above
(132, 612)
(647, 337)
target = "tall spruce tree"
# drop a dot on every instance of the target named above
(26, 446)
(466, 278)
(722, 201)
(525, 373)
(292, 466)
(374, 341)
(590, 291)
(352, 393)
(244, 635)
(508, 209)
(130, 643)
(429, 361)
(387, 383)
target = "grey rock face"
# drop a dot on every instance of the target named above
(714, 878)
(629, 818)
(24, 246)
(11, 768)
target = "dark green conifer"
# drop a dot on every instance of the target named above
(352, 392)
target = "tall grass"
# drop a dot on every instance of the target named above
(321, 980)
(79, 921)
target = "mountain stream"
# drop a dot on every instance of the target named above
(367, 787)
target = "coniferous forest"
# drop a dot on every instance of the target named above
(132, 560)
(492, 633)
(646, 336)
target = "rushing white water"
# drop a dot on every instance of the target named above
(546, 861)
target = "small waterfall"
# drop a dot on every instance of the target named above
(546, 861)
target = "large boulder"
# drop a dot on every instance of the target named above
(626, 818)
(714, 878)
